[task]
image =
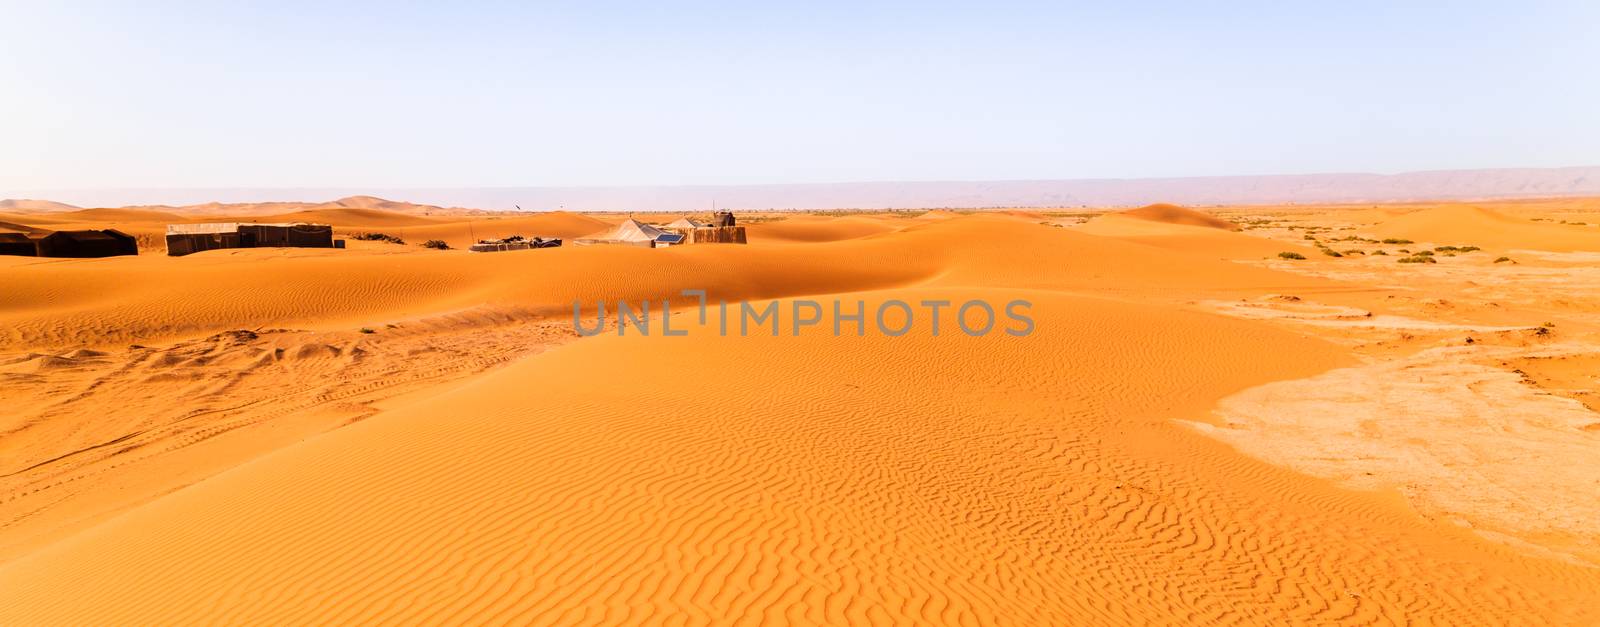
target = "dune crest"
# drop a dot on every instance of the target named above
(1173, 214)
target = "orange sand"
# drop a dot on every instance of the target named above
(1476, 226)
(1173, 214)
(469, 461)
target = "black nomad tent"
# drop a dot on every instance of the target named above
(88, 243)
(184, 239)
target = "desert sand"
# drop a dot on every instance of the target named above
(1198, 430)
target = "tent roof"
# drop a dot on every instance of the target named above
(632, 230)
(685, 222)
(207, 227)
(84, 235)
(228, 227)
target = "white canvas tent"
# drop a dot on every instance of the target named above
(635, 233)
(632, 230)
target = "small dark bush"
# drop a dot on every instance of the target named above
(378, 237)
(1291, 255)
(1502, 259)
(367, 330)
(1418, 259)
(1331, 252)
(436, 244)
(1380, 251)
(1396, 240)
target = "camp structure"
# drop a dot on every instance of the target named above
(721, 230)
(184, 239)
(635, 233)
(515, 242)
(19, 244)
(79, 244)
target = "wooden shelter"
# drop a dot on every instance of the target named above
(720, 231)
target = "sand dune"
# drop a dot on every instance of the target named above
(117, 215)
(388, 434)
(1202, 240)
(18, 228)
(347, 217)
(808, 229)
(110, 301)
(27, 205)
(986, 489)
(1173, 214)
(1476, 226)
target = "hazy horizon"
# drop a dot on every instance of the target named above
(1222, 190)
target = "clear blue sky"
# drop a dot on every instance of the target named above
(96, 95)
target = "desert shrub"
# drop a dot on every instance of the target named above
(1331, 252)
(1355, 251)
(367, 330)
(436, 244)
(1467, 249)
(1310, 237)
(378, 237)
(1380, 251)
(1418, 259)
(1502, 259)
(1396, 240)
(1422, 253)
(1288, 254)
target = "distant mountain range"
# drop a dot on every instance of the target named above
(1215, 190)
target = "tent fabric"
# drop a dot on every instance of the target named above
(685, 223)
(184, 239)
(205, 227)
(17, 244)
(85, 244)
(632, 230)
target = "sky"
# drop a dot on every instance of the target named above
(464, 94)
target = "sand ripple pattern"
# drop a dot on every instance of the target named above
(812, 481)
